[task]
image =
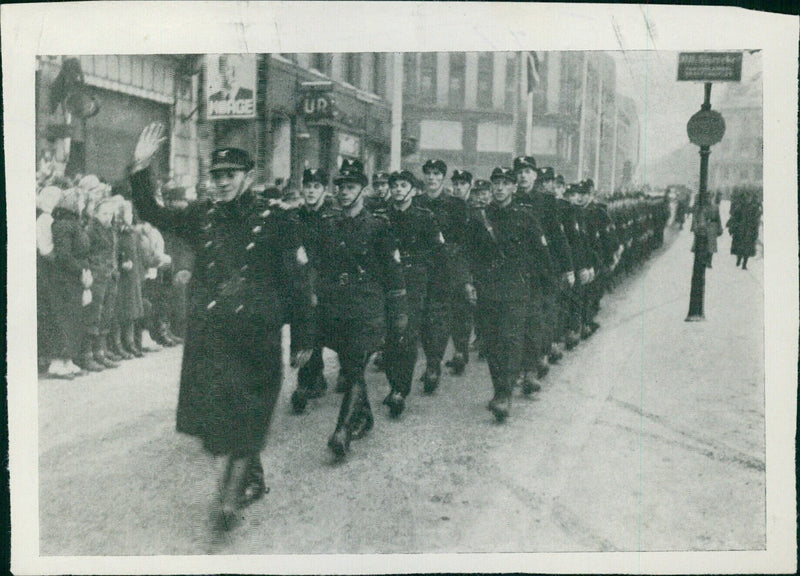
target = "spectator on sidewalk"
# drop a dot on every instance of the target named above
(707, 227)
(129, 292)
(743, 225)
(46, 201)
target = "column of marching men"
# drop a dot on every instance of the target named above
(398, 267)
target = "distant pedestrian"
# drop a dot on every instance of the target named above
(707, 227)
(743, 225)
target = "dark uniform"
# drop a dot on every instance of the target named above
(239, 294)
(310, 379)
(421, 247)
(451, 216)
(460, 308)
(571, 299)
(507, 248)
(359, 269)
(604, 243)
(543, 313)
(377, 202)
(479, 199)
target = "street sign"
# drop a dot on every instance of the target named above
(705, 128)
(710, 66)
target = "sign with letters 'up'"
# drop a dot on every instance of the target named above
(710, 66)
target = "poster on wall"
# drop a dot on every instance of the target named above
(230, 86)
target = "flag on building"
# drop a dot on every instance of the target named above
(532, 69)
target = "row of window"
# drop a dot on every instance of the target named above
(421, 76)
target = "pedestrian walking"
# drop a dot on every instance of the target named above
(707, 227)
(245, 275)
(360, 284)
(743, 224)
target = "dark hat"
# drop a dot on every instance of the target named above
(380, 178)
(547, 173)
(521, 162)
(574, 188)
(560, 179)
(404, 175)
(315, 175)
(481, 185)
(584, 187)
(231, 159)
(351, 171)
(461, 176)
(503, 173)
(434, 165)
(589, 183)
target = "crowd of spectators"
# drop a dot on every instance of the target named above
(108, 288)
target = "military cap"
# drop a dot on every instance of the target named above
(89, 182)
(315, 175)
(546, 174)
(461, 176)
(380, 178)
(351, 171)
(521, 162)
(560, 180)
(583, 187)
(231, 159)
(503, 173)
(403, 175)
(481, 185)
(434, 166)
(589, 183)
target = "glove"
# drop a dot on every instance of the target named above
(301, 358)
(152, 274)
(591, 274)
(86, 297)
(86, 278)
(584, 276)
(182, 277)
(472, 294)
(569, 278)
(127, 265)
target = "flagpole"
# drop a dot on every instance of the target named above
(599, 132)
(397, 111)
(614, 150)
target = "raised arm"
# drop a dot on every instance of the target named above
(182, 222)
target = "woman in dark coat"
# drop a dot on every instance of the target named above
(246, 258)
(743, 226)
(129, 286)
(69, 276)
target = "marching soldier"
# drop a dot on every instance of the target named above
(421, 247)
(360, 283)
(451, 216)
(460, 309)
(571, 297)
(317, 204)
(246, 258)
(543, 309)
(380, 197)
(603, 242)
(506, 247)
(480, 196)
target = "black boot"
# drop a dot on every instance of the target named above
(86, 360)
(396, 403)
(500, 405)
(542, 367)
(431, 378)
(457, 364)
(99, 349)
(349, 413)
(115, 344)
(530, 384)
(129, 341)
(253, 487)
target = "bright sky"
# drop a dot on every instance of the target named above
(664, 104)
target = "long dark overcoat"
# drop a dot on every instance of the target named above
(244, 281)
(743, 225)
(129, 286)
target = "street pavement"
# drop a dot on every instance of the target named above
(648, 436)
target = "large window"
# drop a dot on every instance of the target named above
(351, 72)
(440, 135)
(321, 62)
(494, 137)
(427, 88)
(458, 68)
(485, 69)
